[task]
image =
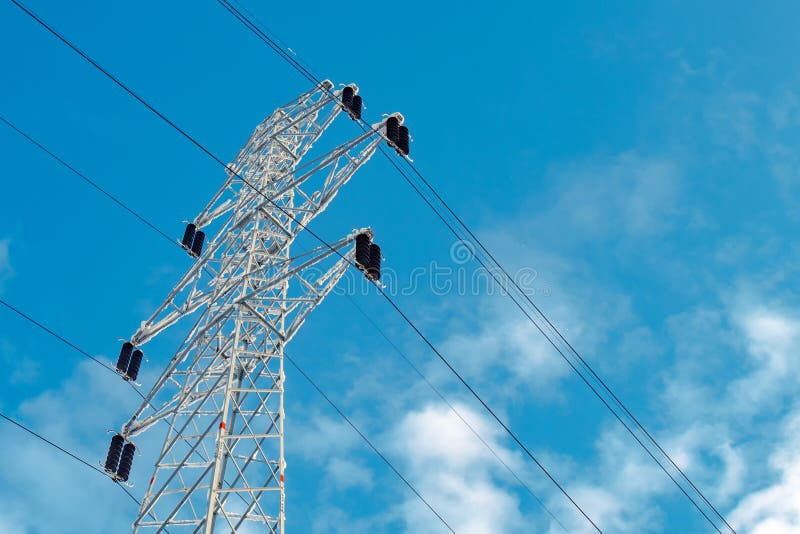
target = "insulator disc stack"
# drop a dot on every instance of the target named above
(136, 362)
(374, 269)
(114, 453)
(355, 108)
(188, 236)
(362, 251)
(124, 357)
(347, 97)
(126, 461)
(393, 130)
(197, 244)
(403, 140)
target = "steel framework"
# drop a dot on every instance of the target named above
(221, 395)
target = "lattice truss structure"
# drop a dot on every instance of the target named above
(222, 463)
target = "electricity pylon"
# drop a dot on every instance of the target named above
(222, 463)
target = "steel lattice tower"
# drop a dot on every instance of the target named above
(221, 395)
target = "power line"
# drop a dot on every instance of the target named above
(194, 141)
(86, 179)
(353, 302)
(69, 344)
(68, 453)
(71, 455)
(582, 361)
(475, 394)
(584, 364)
(58, 336)
(452, 408)
(367, 441)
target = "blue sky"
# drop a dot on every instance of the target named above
(641, 159)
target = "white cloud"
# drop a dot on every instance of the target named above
(456, 473)
(331, 444)
(502, 352)
(617, 491)
(720, 437)
(345, 473)
(776, 508)
(772, 338)
(46, 487)
(320, 438)
(734, 369)
(638, 347)
(628, 195)
(733, 119)
(504, 348)
(333, 520)
(6, 270)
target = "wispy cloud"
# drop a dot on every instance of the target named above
(455, 471)
(42, 487)
(775, 508)
(626, 195)
(6, 269)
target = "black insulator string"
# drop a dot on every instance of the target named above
(68, 453)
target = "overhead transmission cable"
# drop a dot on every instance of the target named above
(208, 152)
(87, 179)
(458, 414)
(67, 452)
(367, 440)
(67, 342)
(402, 354)
(548, 325)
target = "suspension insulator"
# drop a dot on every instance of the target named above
(355, 109)
(197, 244)
(126, 461)
(392, 130)
(188, 236)
(374, 269)
(136, 362)
(114, 452)
(362, 251)
(403, 140)
(347, 97)
(124, 357)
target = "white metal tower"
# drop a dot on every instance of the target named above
(222, 463)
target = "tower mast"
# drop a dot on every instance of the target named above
(221, 395)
